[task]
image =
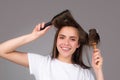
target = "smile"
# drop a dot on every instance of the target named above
(65, 48)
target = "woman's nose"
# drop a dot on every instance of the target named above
(66, 42)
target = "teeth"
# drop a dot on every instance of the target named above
(66, 49)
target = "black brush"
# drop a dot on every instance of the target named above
(56, 18)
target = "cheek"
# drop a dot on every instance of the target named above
(75, 45)
(58, 42)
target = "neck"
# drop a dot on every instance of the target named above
(65, 59)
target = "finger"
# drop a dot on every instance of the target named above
(42, 32)
(43, 24)
(98, 60)
(99, 63)
(38, 26)
(47, 28)
(97, 55)
(96, 50)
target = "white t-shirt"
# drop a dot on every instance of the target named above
(45, 68)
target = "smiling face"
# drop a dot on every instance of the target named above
(67, 42)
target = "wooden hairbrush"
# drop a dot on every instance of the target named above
(94, 38)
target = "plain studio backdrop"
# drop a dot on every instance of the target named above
(18, 17)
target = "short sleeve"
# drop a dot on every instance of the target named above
(35, 62)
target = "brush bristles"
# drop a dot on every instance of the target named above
(64, 18)
(94, 37)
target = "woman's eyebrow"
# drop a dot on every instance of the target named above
(65, 36)
(73, 37)
(61, 35)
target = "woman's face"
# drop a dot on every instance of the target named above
(67, 42)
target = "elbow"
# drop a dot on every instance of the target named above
(1, 51)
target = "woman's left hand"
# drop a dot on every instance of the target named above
(97, 60)
(97, 63)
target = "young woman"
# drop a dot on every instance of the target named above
(66, 62)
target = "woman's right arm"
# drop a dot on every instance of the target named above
(8, 48)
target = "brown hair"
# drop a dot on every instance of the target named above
(83, 40)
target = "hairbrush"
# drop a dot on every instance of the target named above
(57, 17)
(94, 38)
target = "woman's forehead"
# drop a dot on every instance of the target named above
(67, 30)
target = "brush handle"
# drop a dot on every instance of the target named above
(94, 45)
(46, 25)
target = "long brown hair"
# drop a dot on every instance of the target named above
(83, 40)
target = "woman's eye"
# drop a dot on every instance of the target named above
(73, 39)
(61, 37)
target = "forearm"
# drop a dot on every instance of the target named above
(12, 44)
(99, 75)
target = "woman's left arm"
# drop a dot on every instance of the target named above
(97, 63)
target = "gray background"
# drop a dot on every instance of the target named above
(18, 17)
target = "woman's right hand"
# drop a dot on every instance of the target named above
(36, 33)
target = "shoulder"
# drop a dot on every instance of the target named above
(34, 57)
(37, 61)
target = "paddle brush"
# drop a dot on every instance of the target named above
(56, 18)
(94, 38)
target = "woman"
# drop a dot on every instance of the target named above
(66, 61)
